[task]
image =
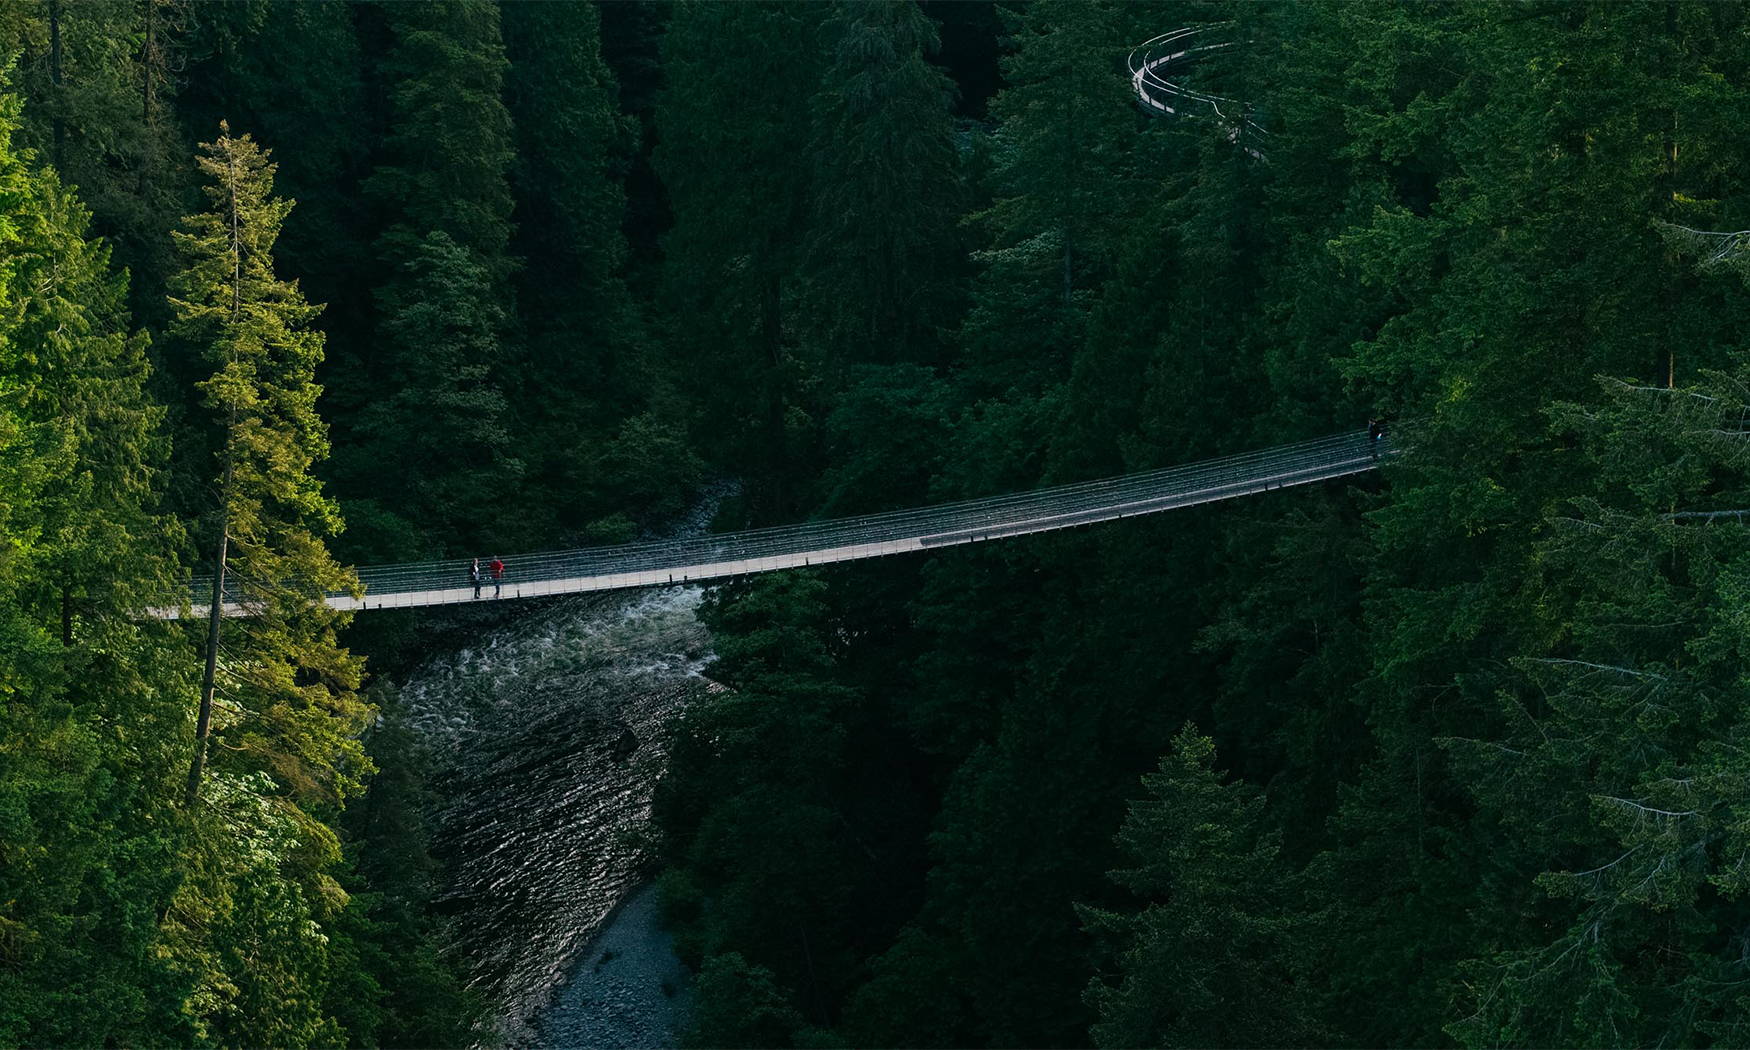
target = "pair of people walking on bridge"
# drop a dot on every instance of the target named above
(495, 568)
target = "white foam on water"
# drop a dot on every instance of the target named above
(542, 811)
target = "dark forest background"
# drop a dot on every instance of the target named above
(1455, 753)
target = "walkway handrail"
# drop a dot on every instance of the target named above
(1153, 60)
(759, 550)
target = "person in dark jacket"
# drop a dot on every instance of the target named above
(474, 575)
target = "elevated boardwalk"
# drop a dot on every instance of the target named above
(719, 557)
(1155, 69)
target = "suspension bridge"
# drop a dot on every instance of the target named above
(726, 555)
(1156, 69)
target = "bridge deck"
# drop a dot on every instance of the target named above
(850, 539)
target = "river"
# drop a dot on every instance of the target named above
(547, 739)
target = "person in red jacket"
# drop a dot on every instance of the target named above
(497, 576)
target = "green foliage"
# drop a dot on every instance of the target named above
(441, 322)
(89, 379)
(764, 814)
(100, 79)
(1066, 149)
(882, 252)
(450, 139)
(1502, 661)
(92, 727)
(740, 1006)
(444, 306)
(887, 435)
(247, 923)
(601, 429)
(293, 706)
(1203, 963)
(1480, 712)
(405, 993)
(293, 74)
(740, 226)
(1616, 759)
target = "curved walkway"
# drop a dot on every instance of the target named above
(850, 539)
(1154, 61)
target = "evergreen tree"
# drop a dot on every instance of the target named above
(1064, 184)
(294, 74)
(447, 249)
(1201, 964)
(882, 248)
(1067, 123)
(411, 993)
(103, 543)
(449, 142)
(758, 810)
(1511, 271)
(293, 707)
(740, 188)
(1617, 764)
(591, 377)
(569, 202)
(739, 1005)
(433, 486)
(279, 692)
(93, 731)
(101, 80)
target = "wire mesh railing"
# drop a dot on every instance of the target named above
(758, 550)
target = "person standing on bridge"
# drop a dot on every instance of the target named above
(474, 575)
(497, 576)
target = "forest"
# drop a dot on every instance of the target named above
(1453, 753)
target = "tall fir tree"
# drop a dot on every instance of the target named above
(447, 203)
(434, 487)
(279, 694)
(591, 383)
(883, 248)
(293, 73)
(293, 706)
(94, 725)
(1064, 184)
(739, 185)
(449, 146)
(106, 542)
(1203, 963)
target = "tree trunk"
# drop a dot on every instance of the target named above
(203, 723)
(1069, 241)
(55, 79)
(772, 336)
(147, 58)
(1668, 196)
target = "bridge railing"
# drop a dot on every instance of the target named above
(1152, 61)
(1036, 510)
